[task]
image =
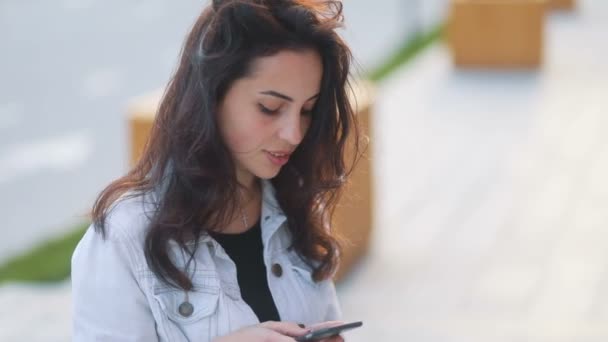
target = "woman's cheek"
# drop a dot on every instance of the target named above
(250, 135)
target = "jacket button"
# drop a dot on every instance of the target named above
(277, 270)
(185, 309)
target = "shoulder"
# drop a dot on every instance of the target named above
(124, 229)
(122, 244)
(129, 217)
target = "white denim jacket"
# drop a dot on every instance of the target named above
(116, 297)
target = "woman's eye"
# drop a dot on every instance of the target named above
(266, 110)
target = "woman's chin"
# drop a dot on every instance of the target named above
(268, 173)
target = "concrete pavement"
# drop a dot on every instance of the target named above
(492, 195)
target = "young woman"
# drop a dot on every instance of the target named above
(221, 231)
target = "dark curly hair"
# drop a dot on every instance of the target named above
(200, 191)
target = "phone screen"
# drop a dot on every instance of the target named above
(328, 332)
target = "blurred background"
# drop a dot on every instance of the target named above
(481, 206)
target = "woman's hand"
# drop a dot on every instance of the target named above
(268, 332)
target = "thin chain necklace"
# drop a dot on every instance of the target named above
(244, 217)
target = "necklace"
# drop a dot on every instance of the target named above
(242, 210)
(244, 217)
(242, 207)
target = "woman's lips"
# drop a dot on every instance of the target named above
(278, 158)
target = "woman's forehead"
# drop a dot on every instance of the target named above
(296, 74)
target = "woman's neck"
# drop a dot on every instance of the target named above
(249, 191)
(247, 210)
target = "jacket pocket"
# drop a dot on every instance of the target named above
(203, 301)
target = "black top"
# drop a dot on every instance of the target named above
(247, 251)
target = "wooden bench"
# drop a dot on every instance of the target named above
(562, 4)
(496, 33)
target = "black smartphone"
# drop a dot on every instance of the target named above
(328, 332)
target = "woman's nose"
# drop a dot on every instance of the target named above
(291, 129)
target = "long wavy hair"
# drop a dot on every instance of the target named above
(200, 190)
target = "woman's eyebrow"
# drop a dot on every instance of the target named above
(283, 96)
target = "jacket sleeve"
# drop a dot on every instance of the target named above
(107, 301)
(333, 310)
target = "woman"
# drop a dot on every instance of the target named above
(223, 223)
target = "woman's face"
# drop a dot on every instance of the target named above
(264, 116)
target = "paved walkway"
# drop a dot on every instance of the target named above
(492, 193)
(36, 313)
(496, 231)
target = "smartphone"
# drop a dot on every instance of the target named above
(328, 332)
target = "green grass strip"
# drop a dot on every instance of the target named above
(48, 262)
(406, 52)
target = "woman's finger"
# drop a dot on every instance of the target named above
(286, 328)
